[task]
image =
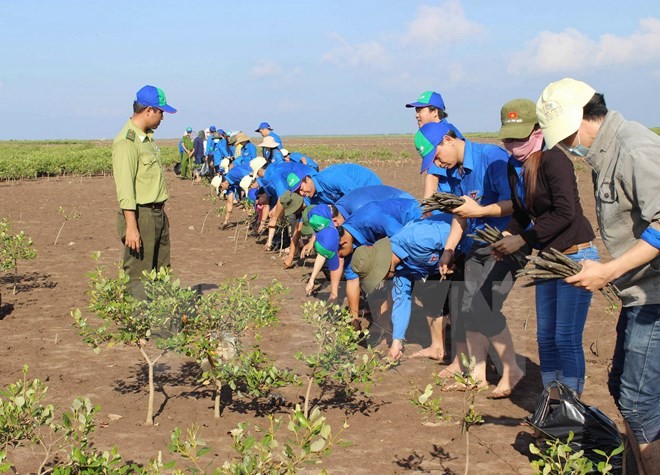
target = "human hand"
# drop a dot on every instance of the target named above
(396, 349)
(309, 288)
(306, 250)
(446, 262)
(592, 277)
(132, 239)
(470, 209)
(506, 246)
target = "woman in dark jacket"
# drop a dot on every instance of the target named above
(547, 214)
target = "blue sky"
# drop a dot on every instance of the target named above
(71, 68)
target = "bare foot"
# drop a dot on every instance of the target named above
(449, 371)
(507, 384)
(396, 350)
(432, 352)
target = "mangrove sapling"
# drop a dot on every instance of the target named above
(490, 235)
(60, 443)
(426, 403)
(445, 202)
(65, 217)
(470, 416)
(13, 247)
(562, 459)
(339, 359)
(553, 264)
(138, 323)
(260, 450)
(214, 336)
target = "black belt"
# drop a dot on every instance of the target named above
(152, 205)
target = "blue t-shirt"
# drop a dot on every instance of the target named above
(248, 152)
(380, 219)
(377, 220)
(338, 180)
(356, 199)
(298, 157)
(485, 180)
(419, 245)
(237, 173)
(274, 179)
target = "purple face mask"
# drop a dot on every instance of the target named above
(521, 149)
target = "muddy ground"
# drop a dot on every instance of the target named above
(386, 434)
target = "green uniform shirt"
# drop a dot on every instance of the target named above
(137, 168)
(187, 142)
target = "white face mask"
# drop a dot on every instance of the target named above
(216, 140)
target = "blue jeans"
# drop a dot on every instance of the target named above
(634, 380)
(561, 312)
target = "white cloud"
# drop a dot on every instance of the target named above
(435, 26)
(266, 69)
(571, 50)
(370, 54)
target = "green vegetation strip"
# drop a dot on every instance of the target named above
(31, 159)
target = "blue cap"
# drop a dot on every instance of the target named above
(327, 245)
(220, 131)
(152, 96)
(320, 217)
(428, 137)
(188, 130)
(294, 179)
(212, 128)
(264, 125)
(429, 98)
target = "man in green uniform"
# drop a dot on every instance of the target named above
(142, 223)
(187, 144)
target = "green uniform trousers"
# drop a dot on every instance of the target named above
(154, 230)
(185, 165)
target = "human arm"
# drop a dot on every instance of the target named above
(319, 262)
(596, 275)
(472, 209)
(307, 248)
(430, 185)
(458, 226)
(132, 239)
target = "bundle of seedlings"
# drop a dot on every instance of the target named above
(445, 202)
(552, 264)
(490, 235)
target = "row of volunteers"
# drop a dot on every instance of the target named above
(377, 237)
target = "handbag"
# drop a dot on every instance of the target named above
(591, 428)
(177, 168)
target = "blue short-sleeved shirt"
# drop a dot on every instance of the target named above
(237, 173)
(381, 219)
(338, 180)
(248, 152)
(419, 245)
(485, 180)
(297, 157)
(274, 179)
(356, 199)
(277, 139)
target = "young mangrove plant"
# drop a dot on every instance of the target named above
(143, 324)
(13, 248)
(216, 336)
(339, 359)
(262, 450)
(60, 444)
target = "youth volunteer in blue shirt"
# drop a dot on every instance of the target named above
(478, 173)
(430, 107)
(230, 184)
(410, 255)
(299, 158)
(248, 149)
(274, 179)
(332, 183)
(267, 131)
